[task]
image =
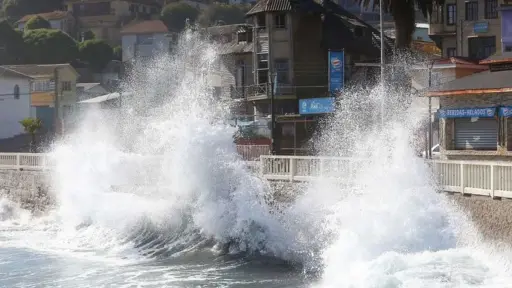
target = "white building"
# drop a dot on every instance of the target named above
(61, 20)
(14, 102)
(144, 39)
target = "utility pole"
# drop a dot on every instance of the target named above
(272, 116)
(429, 151)
(56, 100)
(382, 60)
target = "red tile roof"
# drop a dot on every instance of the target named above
(145, 27)
(55, 15)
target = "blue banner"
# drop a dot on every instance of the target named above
(487, 112)
(505, 111)
(316, 105)
(336, 71)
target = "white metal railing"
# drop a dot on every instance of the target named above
(41, 161)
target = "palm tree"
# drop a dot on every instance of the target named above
(31, 126)
(404, 15)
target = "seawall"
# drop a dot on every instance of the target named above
(32, 190)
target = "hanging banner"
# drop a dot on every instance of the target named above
(505, 111)
(336, 71)
(487, 112)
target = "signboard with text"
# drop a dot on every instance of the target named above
(336, 71)
(487, 112)
(316, 105)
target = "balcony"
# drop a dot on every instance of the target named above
(259, 92)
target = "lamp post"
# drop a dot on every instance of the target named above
(272, 115)
(382, 61)
(429, 150)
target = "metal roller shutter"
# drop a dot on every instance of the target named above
(481, 134)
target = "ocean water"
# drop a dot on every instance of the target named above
(201, 218)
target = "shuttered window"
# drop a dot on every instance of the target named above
(476, 134)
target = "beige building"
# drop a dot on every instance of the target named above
(42, 91)
(61, 20)
(467, 28)
(105, 18)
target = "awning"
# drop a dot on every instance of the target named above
(505, 111)
(481, 112)
(104, 98)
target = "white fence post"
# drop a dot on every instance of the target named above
(462, 180)
(492, 181)
(18, 161)
(293, 168)
(321, 172)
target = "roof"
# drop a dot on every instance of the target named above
(5, 71)
(104, 98)
(284, 5)
(87, 86)
(477, 83)
(498, 57)
(226, 29)
(232, 47)
(55, 15)
(145, 27)
(39, 71)
(236, 48)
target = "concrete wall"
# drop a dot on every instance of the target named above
(13, 110)
(29, 188)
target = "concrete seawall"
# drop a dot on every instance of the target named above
(28, 188)
(32, 190)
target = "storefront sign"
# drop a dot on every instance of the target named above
(505, 111)
(336, 71)
(481, 27)
(487, 112)
(316, 105)
(42, 99)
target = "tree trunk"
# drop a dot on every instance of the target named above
(32, 142)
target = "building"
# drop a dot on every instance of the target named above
(203, 4)
(42, 91)
(467, 28)
(145, 39)
(61, 20)
(86, 91)
(289, 52)
(14, 102)
(235, 69)
(106, 18)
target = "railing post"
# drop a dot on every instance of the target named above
(462, 180)
(262, 164)
(321, 172)
(18, 161)
(293, 164)
(492, 181)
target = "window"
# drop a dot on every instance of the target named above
(282, 69)
(481, 47)
(217, 91)
(280, 21)
(491, 11)
(242, 37)
(42, 86)
(66, 86)
(16, 92)
(472, 11)
(451, 52)
(145, 39)
(437, 15)
(508, 48)
(451, 14)
(260, 21)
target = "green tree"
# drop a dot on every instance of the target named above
(32, 126)
(404, 15)
(175, 15)
(88, 35)
(12, 47)
(49, 46)
(18, 8)
(37, 22)
(224, 13)
(118, 53)
(97, 53)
